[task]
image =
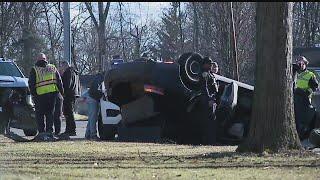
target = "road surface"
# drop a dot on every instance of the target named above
(80, 129)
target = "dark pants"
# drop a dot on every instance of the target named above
(44, 105)
(68, 109)
(304, 114)
(57, 114)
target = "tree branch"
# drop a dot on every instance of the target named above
(89, 7)
(106, 10)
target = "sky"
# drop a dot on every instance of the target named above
(141, 9)
(153, 9)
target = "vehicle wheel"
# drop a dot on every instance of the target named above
(30, 132)
(106, 131)
(190, 70)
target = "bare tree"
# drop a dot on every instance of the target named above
(306, 24)
(195, 27)
(8, 23)
(100, 27)
(272, 127)
(171, 33)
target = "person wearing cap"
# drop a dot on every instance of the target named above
(306, 83)
(71, 86)
(306, 80)
(45, 83)
(209, 89)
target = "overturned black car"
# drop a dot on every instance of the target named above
(147, 93)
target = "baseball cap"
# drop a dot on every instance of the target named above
(303, 59)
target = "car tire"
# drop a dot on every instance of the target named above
(190, 70)
(106, 131)
(30, 132)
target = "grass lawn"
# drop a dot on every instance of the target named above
(81, 159)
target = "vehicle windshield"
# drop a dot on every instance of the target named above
(9, 69)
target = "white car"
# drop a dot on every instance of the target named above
(109, 117)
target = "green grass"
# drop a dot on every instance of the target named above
(115, 160)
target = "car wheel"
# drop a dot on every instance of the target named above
(30, 132)
(190, 70)
(106, 131)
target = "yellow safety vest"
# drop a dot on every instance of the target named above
(46, 79)
(303, 80)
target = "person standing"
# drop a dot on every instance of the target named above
(306, 79)
(71, 86)
(207, 101)
(306, 84)
(45, 83)
(208, 81)
(95, 94)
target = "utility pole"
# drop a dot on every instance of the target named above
(66, 32)
(234, 46)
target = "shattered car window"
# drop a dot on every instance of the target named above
(9, 69)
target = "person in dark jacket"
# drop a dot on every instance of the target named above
(71, 86)
(45, 83)
(95, 94)
(208, 81)
(209, 89)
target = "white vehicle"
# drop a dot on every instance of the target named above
(109, 118)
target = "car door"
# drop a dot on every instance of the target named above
(110, 112)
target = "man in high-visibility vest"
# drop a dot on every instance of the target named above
(306, 80)
(45, 84)
(305, 85)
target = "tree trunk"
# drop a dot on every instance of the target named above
(102, 37)
(121, 32)
(272, 126)
(26, 36)
(51, 38)
(234, 46)
(100, 27)
(195, 28)
(306, 24)
(181, 31)
(314, 25)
